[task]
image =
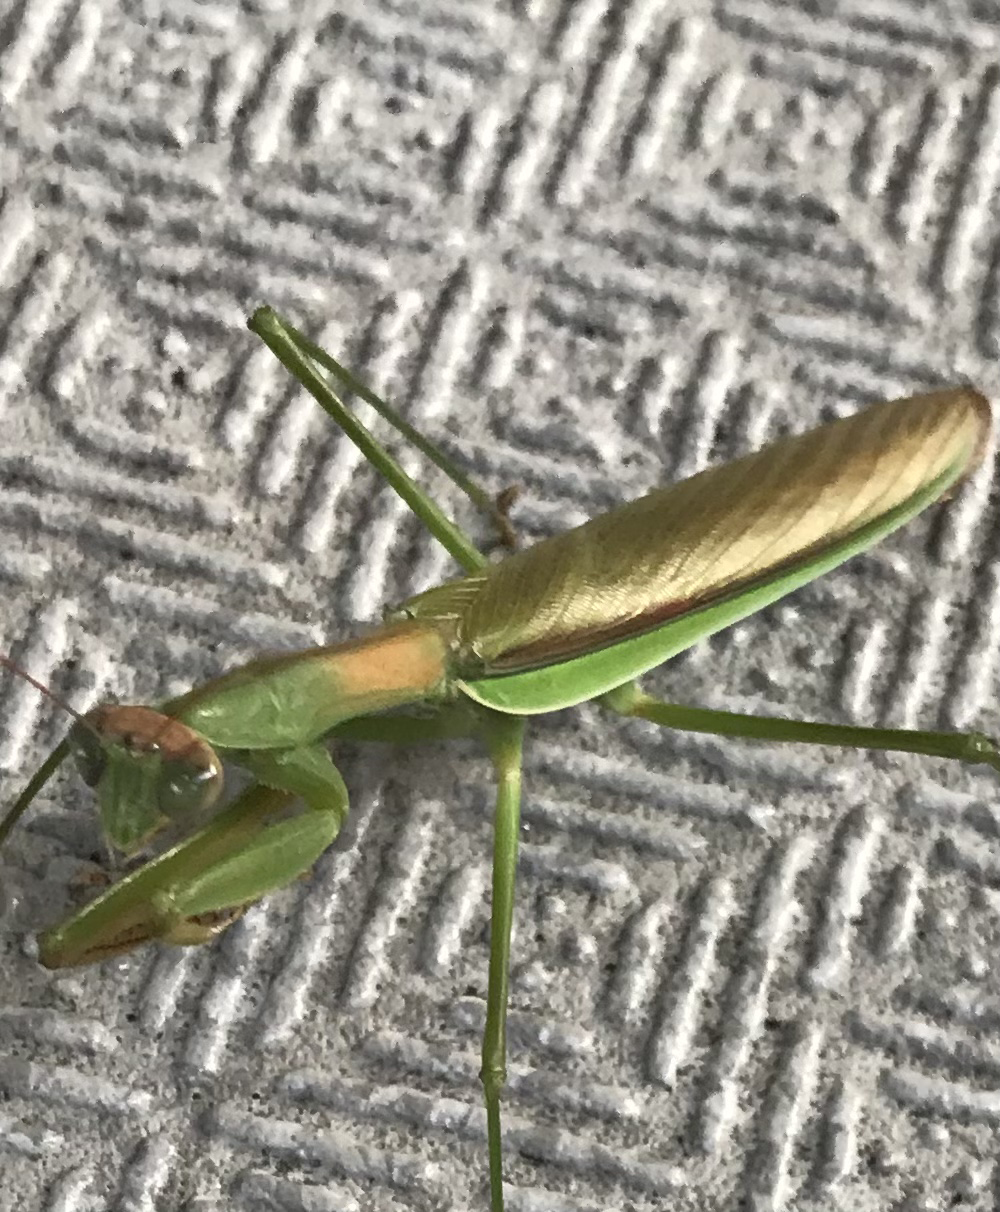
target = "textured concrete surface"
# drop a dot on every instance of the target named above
(594, 246)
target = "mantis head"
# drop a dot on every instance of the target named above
(146, 768)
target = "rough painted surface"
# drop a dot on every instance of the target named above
(595, 245)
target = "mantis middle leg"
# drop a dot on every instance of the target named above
(505, 737)
(303, 358)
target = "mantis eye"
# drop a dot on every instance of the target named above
(186, 788)
(89, 754)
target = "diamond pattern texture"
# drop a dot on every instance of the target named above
(592, 245)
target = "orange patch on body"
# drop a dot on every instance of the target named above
(410, 657)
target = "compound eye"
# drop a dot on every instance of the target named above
(89, 754)
(186, 789)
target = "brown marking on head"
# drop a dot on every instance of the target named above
(145, 730)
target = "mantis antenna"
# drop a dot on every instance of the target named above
(55, 758)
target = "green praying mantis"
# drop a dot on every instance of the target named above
(573, 618)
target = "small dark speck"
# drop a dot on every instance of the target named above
(870, 1159)
(179, 379)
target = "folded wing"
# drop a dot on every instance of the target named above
(717, 534)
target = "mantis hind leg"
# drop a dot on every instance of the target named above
(504, 736)
(971, 747)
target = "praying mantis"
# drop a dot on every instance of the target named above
(573, 618)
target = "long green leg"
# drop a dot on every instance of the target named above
(494, 508)
(301, 357)
(36, 783)
(505, 736)
(972, 747)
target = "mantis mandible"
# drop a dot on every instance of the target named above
(573, 618)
